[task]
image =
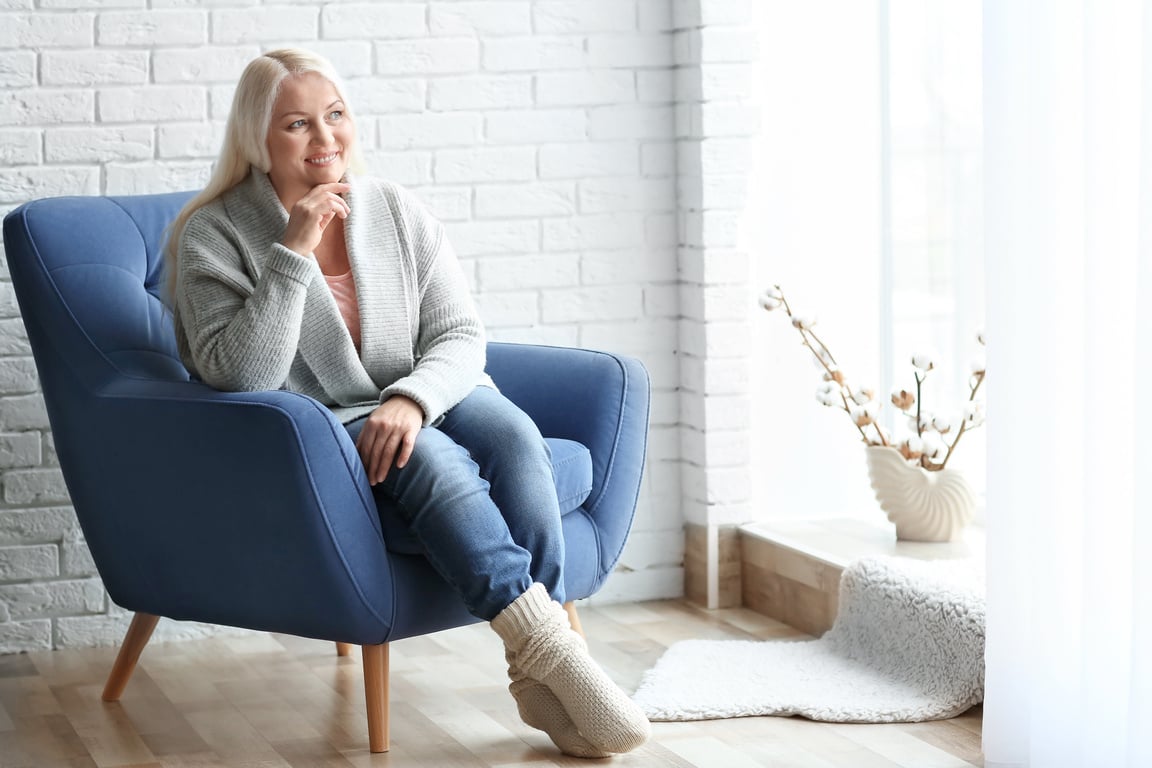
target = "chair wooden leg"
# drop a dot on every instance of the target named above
(376, 695)
(134, 641)
(573, 617)
(343, 649)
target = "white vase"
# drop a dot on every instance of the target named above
(924, 506)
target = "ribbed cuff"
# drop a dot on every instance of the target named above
(526, 612)
(287, 262)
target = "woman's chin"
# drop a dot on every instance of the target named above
(327, 174)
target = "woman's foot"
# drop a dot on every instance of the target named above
(543, 647)
(540, 708)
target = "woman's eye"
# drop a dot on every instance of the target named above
(335, 114)
(297, 124)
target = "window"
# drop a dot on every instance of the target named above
(932, 263)
(865, 204)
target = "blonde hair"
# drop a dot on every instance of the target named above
(246, 134)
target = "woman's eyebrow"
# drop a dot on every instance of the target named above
(304, 112)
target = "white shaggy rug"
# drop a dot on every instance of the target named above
(907, 646)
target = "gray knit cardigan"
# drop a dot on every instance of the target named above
(253, 315)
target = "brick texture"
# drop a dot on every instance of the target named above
(713, 47)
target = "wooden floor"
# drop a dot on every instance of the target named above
(272, 700)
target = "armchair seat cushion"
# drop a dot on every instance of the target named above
(571, 468)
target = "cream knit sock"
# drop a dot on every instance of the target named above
(540, 643)
(540, 708)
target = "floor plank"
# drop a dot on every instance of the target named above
(273, 701)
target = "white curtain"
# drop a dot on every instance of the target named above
(1068, 230)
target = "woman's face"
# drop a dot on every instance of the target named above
(310, 136)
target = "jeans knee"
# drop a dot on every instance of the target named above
(523, 438)
(438, 472)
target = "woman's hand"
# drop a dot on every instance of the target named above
(312, 214)
(388, 436)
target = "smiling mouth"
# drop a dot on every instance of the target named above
(323, 159)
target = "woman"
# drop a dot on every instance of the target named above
(289, 271)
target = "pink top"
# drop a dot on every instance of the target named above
(343, 289)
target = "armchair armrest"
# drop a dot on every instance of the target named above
(251, 510)
(598, 399)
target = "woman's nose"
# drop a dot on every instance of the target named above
(322, 134)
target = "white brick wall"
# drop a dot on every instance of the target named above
(543, 132)
(714, 44)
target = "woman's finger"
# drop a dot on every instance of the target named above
(328, 205)
(407, 443)
(377, 447)
(365, 446)
(385, 457)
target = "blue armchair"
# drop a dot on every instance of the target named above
(252, 509)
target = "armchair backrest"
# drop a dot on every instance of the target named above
(89, 276)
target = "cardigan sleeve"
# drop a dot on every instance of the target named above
(241, 333)
(451, 343)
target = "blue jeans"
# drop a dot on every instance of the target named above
(479, 495)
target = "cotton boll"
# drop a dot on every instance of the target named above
(974, 413)
(804, 323)
(863, 415)
(941, 424)
(978, 365)
(924, 423)
(770, 302)
(828, 393)
(912, 448)
(980, 336)
(903, 399)
(922, 362)
(862, 396)
(860, 414)
(934, 448)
